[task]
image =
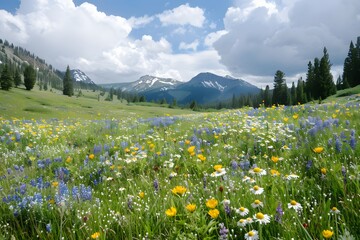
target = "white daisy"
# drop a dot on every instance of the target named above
(291, 176)
(242, 222)
(242, 211)
(334, 210)
(257, 171)
(295, 205)
(262, 218)
(252, 235)
(257, 190)
(257, 203)
(246, 179)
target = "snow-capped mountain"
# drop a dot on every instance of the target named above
(80, 76)
(205, 88)
(147, 83)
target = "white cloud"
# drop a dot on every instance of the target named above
(211, 38)
(262, 37)
(189, 46)
(141, 21)
(183, 15)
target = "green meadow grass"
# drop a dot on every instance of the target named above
(117, 171)
(22, 104)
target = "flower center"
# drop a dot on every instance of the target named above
(257, 202)
(293, 202)
(257, 169)
(334, 208)
(259, 215)
(256, 187)
(242, 209)
(251, 233)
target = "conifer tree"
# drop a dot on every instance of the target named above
(68, 88)
(6, 79)
(280, 89)
(327, 85)
(17, 78)
(29, 77)
(267, 97)
(300, 95)
(293, 94)
(310, 81)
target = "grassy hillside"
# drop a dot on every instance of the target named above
(19, 103)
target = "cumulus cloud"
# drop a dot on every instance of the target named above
(183, 15)
(262, 37)
(189, 46)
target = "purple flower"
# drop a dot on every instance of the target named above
(223, 232)
(156, 185)
(279, 213)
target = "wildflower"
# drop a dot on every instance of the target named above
(242, 211)
(95, 235)
(279, 213)
(252, 235)
(214, 213)
(68, 159)
(191, 207)
(257, 203)
(201, 157)
(274, 173)
(242, 222)
(327, 233)
(334, 210)
(191, 150)
(91, 156)
(219, 171)
(257, 171)
(286, 119)
(141, 195)
(48, 227)
(291, 176)
(318, 150)
(323, 171)
(257, 190)
(295, 116)
(262, 218)
(171, 212)
(156, 185)
(227, 207)
(212, 203)
(295, 205)
(274, 159)
(55, 184)
(223, 232)
(178, 190)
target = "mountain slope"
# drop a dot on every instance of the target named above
(205, 88)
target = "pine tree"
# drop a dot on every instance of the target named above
(317, 80)
(29, 77)
(327, 85)
(310, 81)
(300, 95)
(6, 80)
(68, 88)
(280, 88)
(17, 78)
(267, 97)
(293, 94)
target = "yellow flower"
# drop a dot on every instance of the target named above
(318, 150)
(295, 116)
(91, 156)
(218, 167)
(274, 172)
(201, 157)
(323, 171)
(171, 212)
(191, 150)
(274, 159)
(214, 213)
(68, 159)
(178, 190)
(187, 142)
(327, 233)
(286, 119)
(253, 129)
(95, 235)
(141, 194)
(55, 184)
(191, 207)
(212, 203)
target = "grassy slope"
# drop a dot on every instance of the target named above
(23, 104)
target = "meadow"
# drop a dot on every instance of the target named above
(264, 173)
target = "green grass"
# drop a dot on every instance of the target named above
(22, 104)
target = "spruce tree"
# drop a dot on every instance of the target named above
(310, 81)
(6, 79)
(68, 88)
(29, 77)
(267, 97)
(293, 94)
(327, 85)
(300, 95)
(280, 88)
(17, 78)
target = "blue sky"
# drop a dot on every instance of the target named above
(120, 41)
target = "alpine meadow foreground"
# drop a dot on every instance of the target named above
(265, 173)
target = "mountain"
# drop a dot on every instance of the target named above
(204, 88)
(146, 83)
(80, 76)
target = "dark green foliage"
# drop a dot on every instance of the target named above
(325, 78)
(68, 88)
(17, 78)
(267, 96)
(300, 94)
(351, 70)
(280, 93)
(293, 94)
(29, 77)
(6, 80)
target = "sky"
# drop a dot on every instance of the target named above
(122, 40)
